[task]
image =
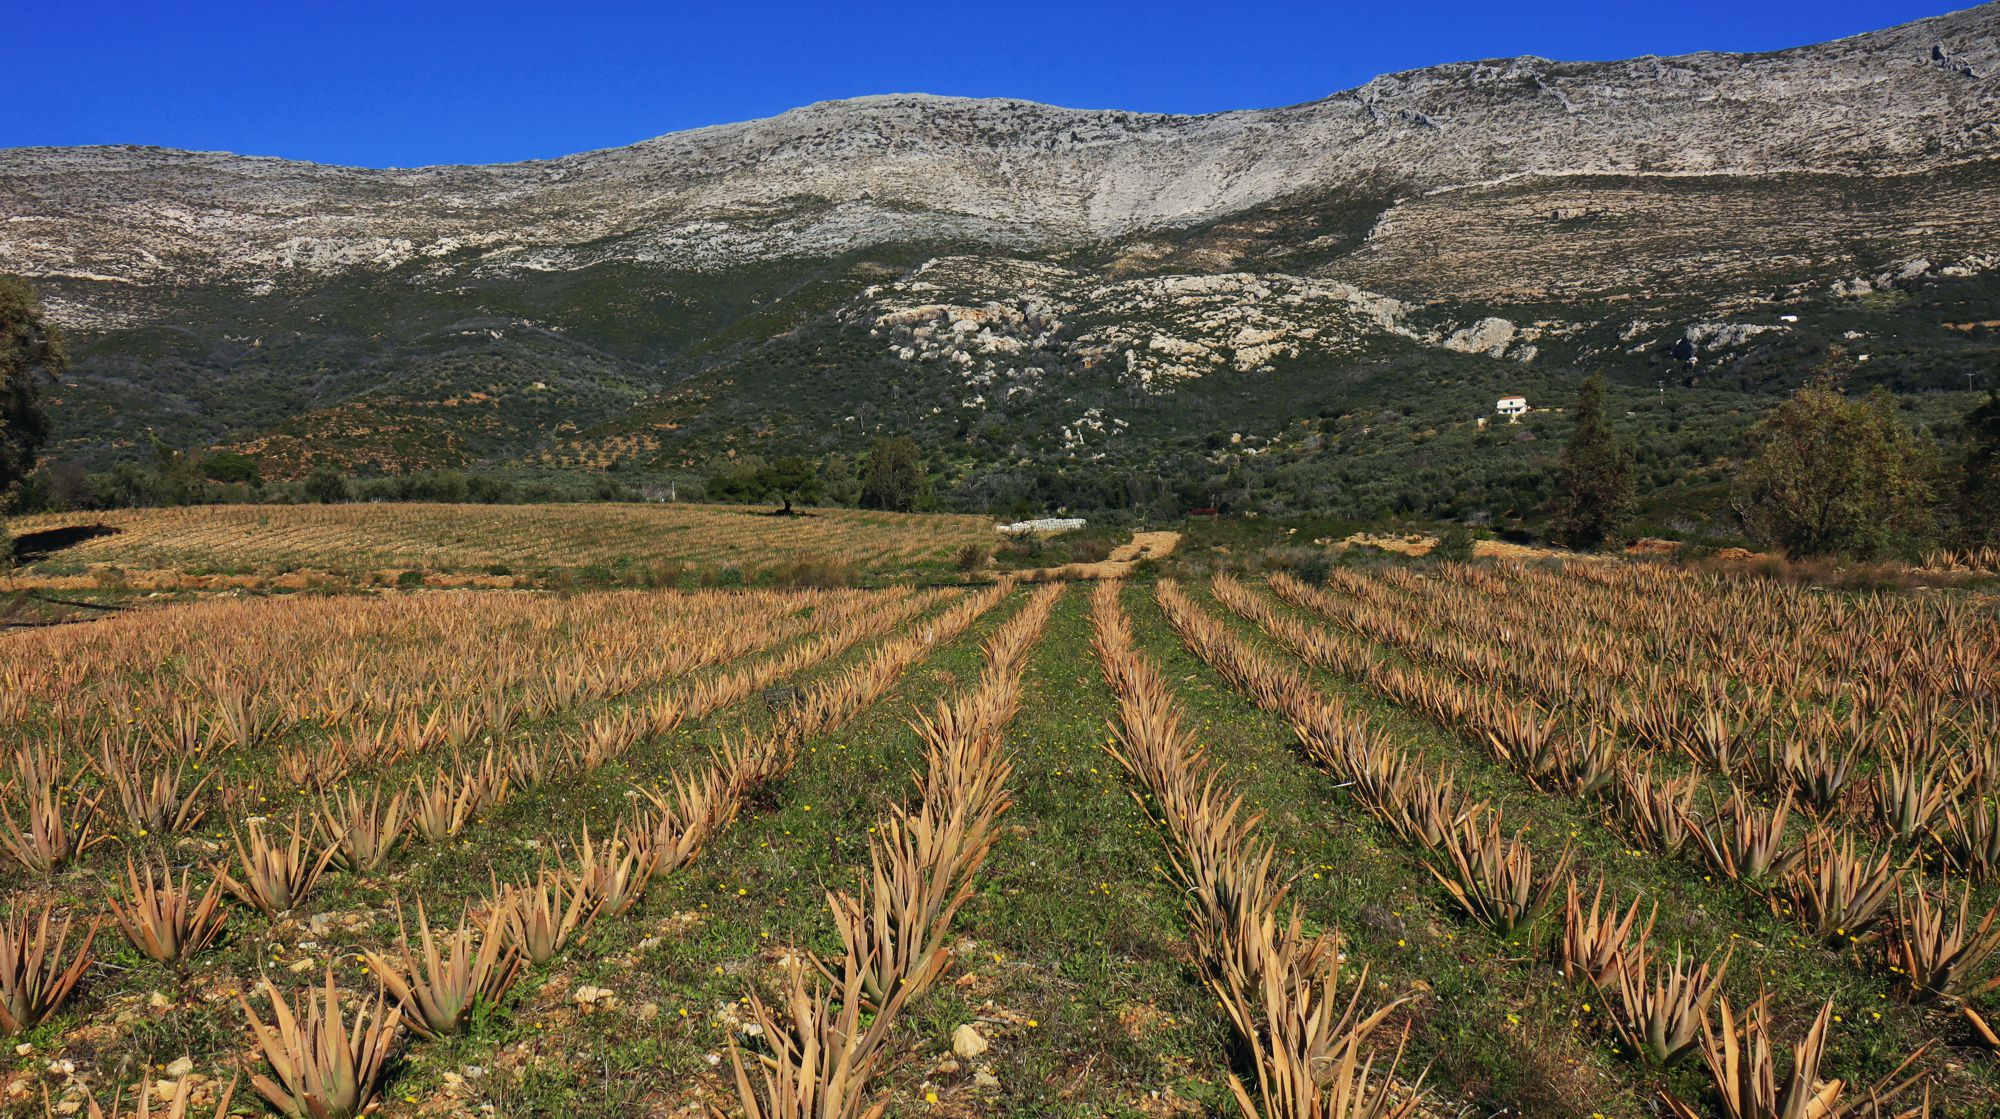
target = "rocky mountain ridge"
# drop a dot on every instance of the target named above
(839, 175)
(1003, 251)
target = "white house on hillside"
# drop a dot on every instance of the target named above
(1512, 407)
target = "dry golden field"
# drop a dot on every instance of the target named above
(509, 539)
(1426, 839)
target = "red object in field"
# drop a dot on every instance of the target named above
(1210, 512)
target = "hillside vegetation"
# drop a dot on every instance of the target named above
(1068, 308)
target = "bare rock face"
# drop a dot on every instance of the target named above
(1489, 336)
(1454, 143)
(998, 325)
(1711, 336)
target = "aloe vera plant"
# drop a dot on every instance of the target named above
(1748, 843)
(155, 795)
(825, 1051)
(49, 835)
(615, 875)
(365, 830)
(1662, 1007)
(165, 919)
(1595, 941)
(321, 1068)
(1492, 877)
(1942, 955)
(1749, 1085)
(441, 806)
(277, 874)
(1912, 788)
(179, 1105)
(542, 915)
(1839, 895)
(1973, 836)
(38, 970)
(438, 989)
(1655, 810)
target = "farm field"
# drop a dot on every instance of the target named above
(499, 542)
(1425, 839)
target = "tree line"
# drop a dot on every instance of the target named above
(1824, 474)
(891, 476)
(180, 477)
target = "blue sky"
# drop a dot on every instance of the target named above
(416, 82)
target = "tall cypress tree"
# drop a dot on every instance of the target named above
(1979, 485)
(893, 477)
(31, 354)
(1593, 494)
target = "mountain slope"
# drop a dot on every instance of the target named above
(1516, 210)
(840, 175)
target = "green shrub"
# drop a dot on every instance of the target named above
(1307, 565)
(659, 576)
(1456, 544)
(1089, 549)
(820, 572)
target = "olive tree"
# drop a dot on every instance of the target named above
(1833, 475)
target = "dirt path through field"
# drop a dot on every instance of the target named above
(1123, 558)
